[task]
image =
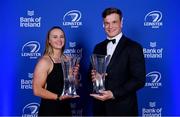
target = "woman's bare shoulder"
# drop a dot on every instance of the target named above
(44, 61)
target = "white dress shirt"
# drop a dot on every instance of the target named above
(110, 46)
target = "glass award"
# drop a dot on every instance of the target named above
(68, 64)
(99, 63)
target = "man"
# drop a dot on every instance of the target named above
(125, 71)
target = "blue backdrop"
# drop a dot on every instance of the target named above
(152, 23)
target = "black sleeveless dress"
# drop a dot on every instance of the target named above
(55, 84)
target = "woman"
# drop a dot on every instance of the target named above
(48, 76)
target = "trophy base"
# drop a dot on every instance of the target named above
(69, 94)
(98, 91)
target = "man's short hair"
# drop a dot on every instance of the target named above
(111, 10)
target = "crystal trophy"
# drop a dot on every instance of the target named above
(68, 64)
(99, 63)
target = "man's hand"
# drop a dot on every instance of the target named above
(103, 96)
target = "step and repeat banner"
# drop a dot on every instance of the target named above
(24, 24)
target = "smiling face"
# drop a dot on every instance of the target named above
(112, 25)
(57, 39)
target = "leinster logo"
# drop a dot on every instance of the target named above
(32, 46)
(154, 76)
(72, 18)
(153, 19)
(153, 16)
(30, 110)
(153, 79)
(31, 49)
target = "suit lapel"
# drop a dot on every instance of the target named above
(104, 48)
(101, 48)
(117, 52)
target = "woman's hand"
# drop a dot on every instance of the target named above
(65, 97)
(76, 74)
(76, 70)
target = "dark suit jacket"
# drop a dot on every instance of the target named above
(126, 74)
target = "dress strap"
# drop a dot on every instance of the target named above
(51, 59)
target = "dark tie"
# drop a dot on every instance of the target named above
(112, 40)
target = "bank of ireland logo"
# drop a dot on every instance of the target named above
(153, 19)
(153, 79)
(30, 110)
(72, 18)
(152, 110)
(30, 75)
(30, 13)
(26, 84)
(152, 44)
(152, 52)
(31, 49)
(30, 21)
(72, 44)
(152, 104)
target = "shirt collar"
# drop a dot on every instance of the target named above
(117, 37)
